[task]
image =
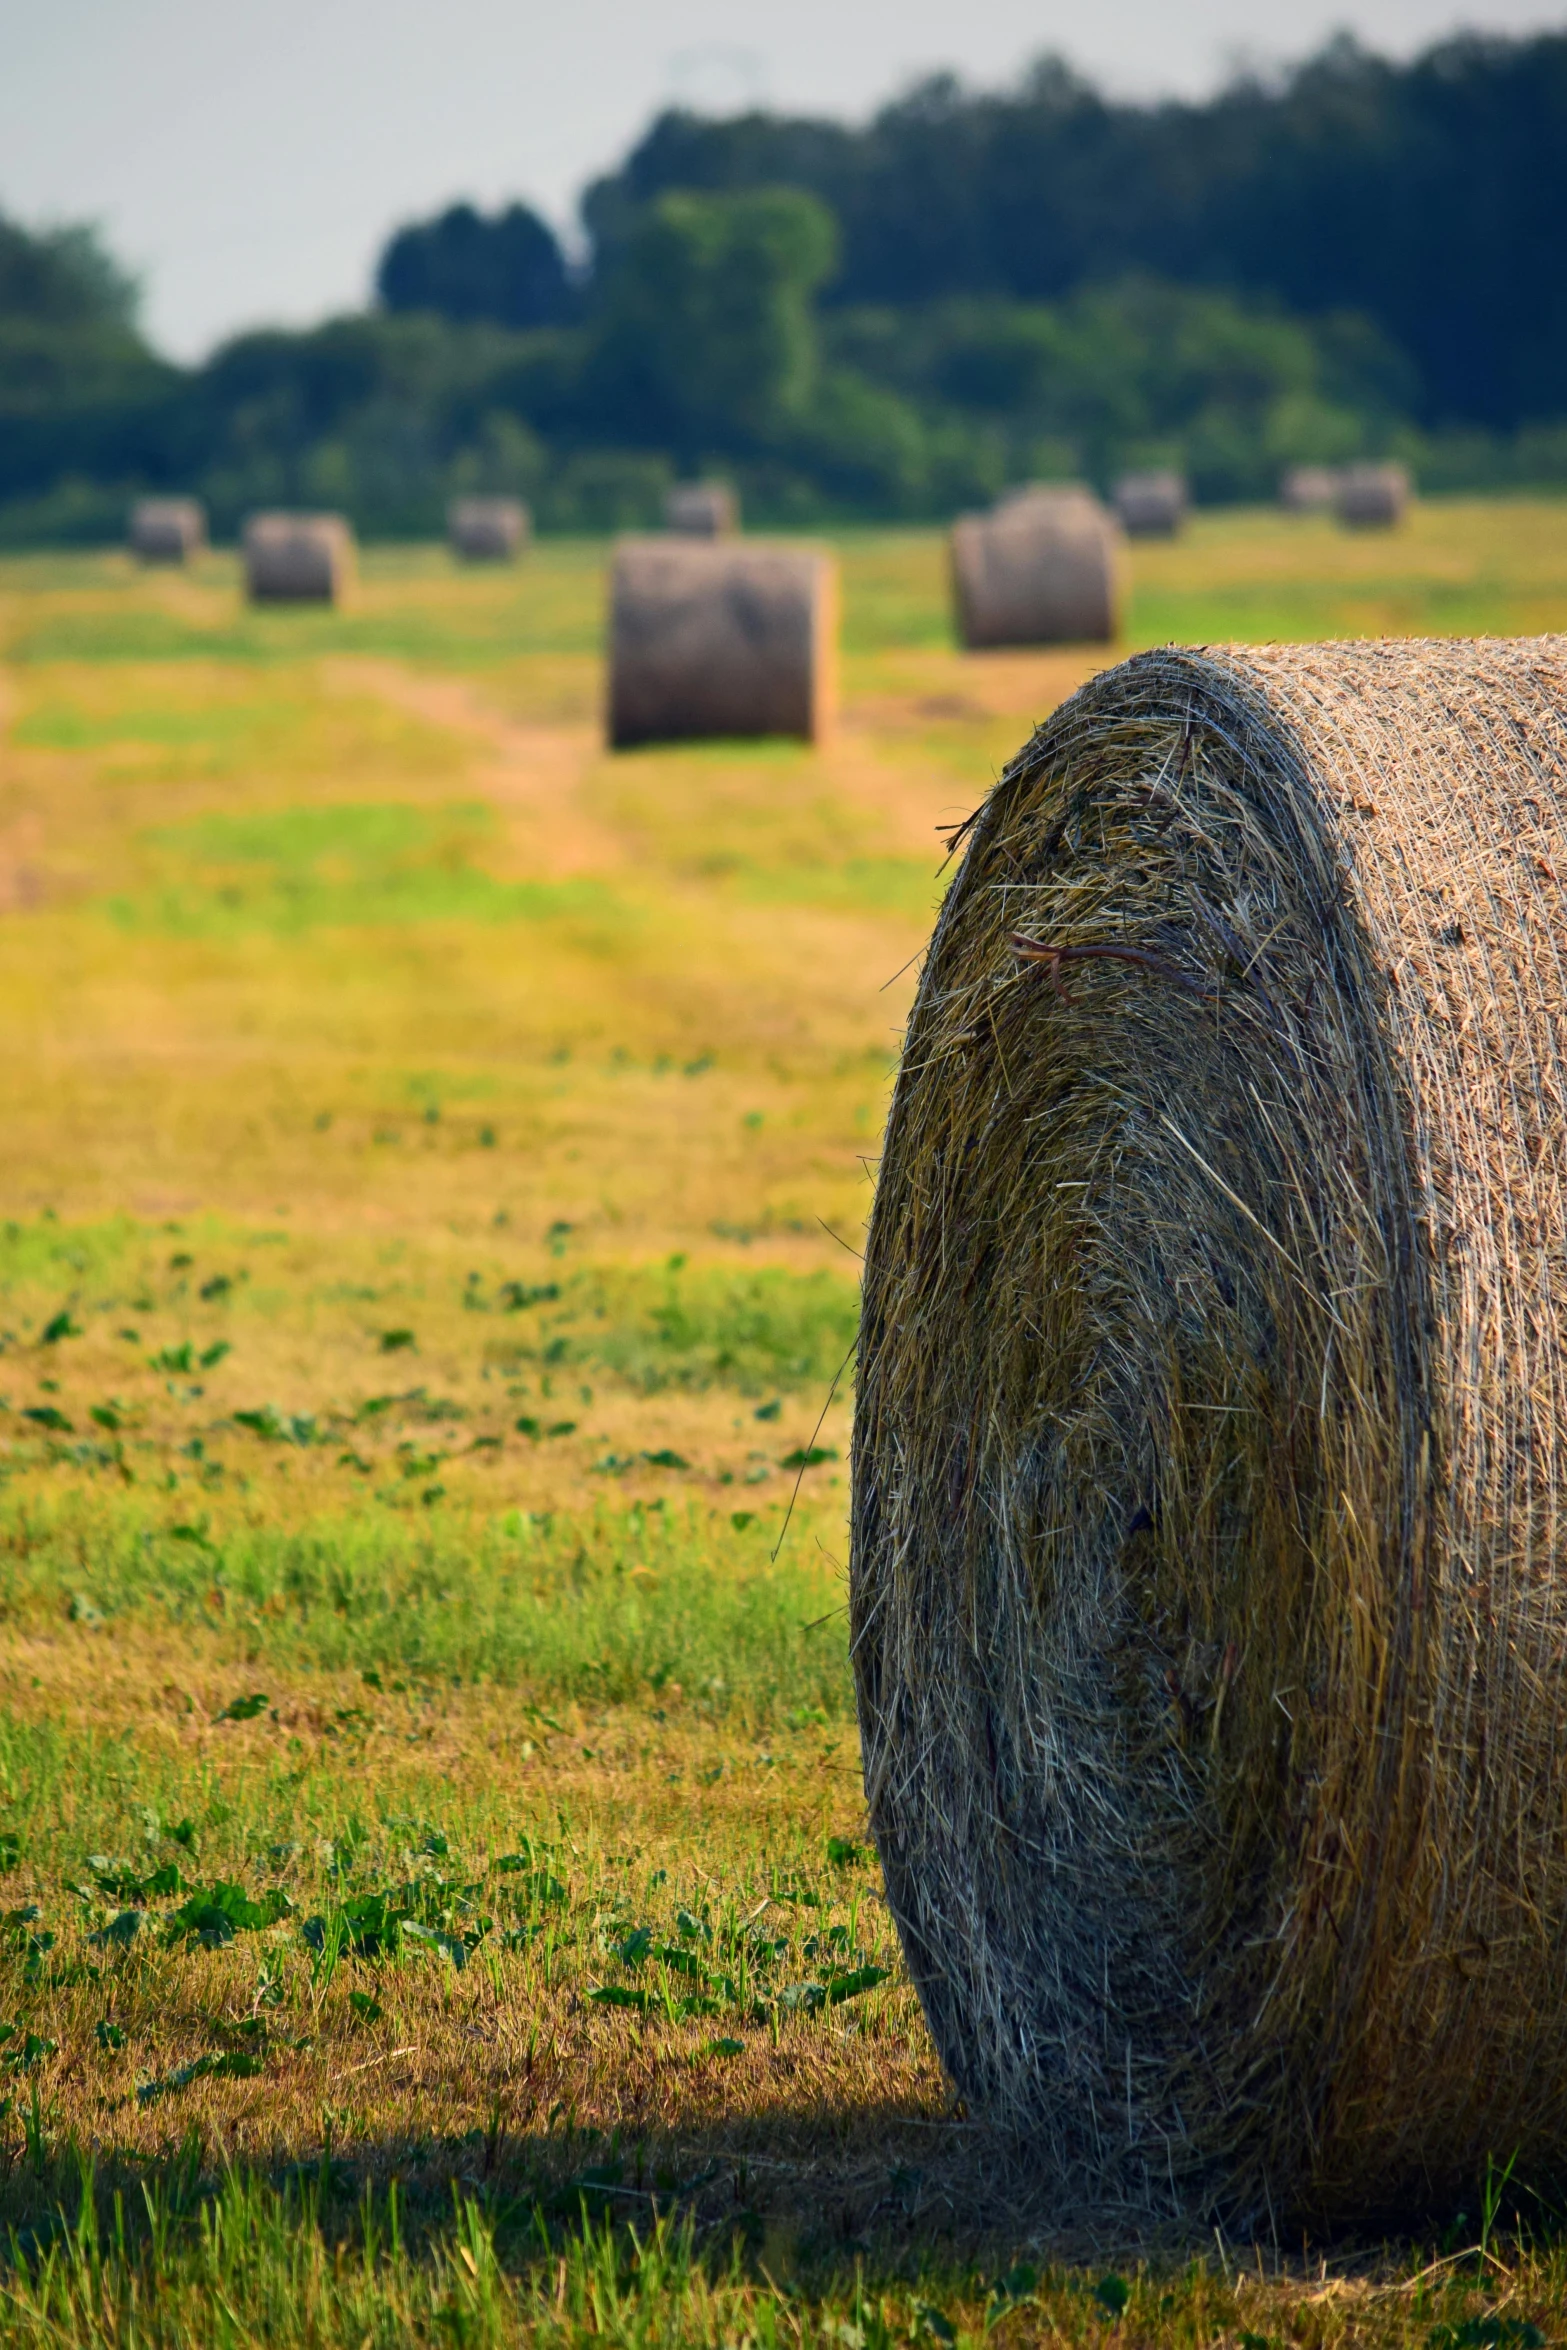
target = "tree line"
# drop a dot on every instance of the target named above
(894, 319)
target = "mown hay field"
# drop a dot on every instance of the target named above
(436, 1901)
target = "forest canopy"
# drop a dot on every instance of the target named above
(889, 319)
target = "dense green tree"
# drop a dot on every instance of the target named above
(64, 277)
(68, 335)
(1135, 372)
(80, 392)
(507, 269)
(705, 338)
(1428, 197)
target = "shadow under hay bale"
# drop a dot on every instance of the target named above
(1040, 569)
(1150, 505)
(702, 510)
(298, 558)
(720, 640)
(1309, 489)
(1372, 497)
(167, 530)
(487, 530)
(1210, 1457)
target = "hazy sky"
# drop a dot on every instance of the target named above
(249, 160)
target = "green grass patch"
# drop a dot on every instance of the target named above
(874, 885)
(1284, 611)
(687, 1327)
(603, 1606)
(305, 867)
(55, 1256)
(67, 728)
(432, 621)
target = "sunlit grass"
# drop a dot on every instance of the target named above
(437, 1152)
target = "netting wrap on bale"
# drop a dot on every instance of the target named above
(487, 530)
(1040, 569)
(298, 558)
(1209, 1615)
(167, 530)
(713, 639)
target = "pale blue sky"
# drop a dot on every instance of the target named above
(249, 160)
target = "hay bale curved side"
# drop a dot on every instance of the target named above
(487, 530)
(1372, 497)
(720, 640)
(702, 510)
(1040, 569)
(167, 530)
(298, 558)
(1150, 505)
(1210, 1457)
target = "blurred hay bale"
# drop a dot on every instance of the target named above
(1150, 505)
(720, 640)
(1372, 497)
(167, 530)
(1068, 495)
(298, 558)
(1308, 489)
(702, 510)
(1040, 569)
(487, 530)
(1210, 1460)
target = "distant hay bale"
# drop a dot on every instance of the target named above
(487, 530)
(1308, 489)
(1372, 497)
(298, 558)
(1067, 494)
(702, 510)
(1210, 1462)
(720, 640)
(1150, 505)
(1039, 569)
(167, 530)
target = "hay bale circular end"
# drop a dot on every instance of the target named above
(487, 530)
(1041, 568)
(720, 640)
(1150, 505)
(1372, 497)
(167, 530)
(1210, 1452)
(298, 558)
(702, 510)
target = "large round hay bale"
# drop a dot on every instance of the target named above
(487, 530)
(1210, 1461)
(167, 530)
(1040, 569)
(702, 510)
(1372, 497)
(1150, 505)
(720, 640)
(298, 558)
(1308, 489)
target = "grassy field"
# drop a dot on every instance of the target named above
(436, 1903)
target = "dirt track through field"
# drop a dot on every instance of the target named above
(536, 773)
